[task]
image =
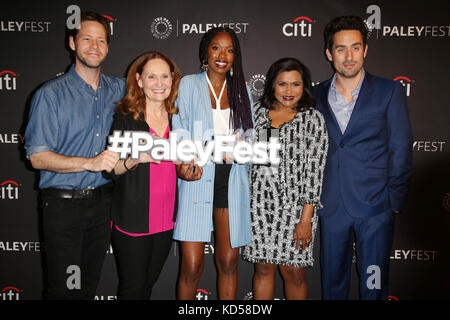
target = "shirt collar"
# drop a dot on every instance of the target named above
(355, 91)
(80, 82)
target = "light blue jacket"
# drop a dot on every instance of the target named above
(194, 220)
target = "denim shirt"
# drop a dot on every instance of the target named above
(341, 109)
(69, 118)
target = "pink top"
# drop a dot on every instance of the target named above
(162, 186)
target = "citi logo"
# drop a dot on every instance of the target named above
(8, 80)
(9, 190)
(9, 294)
(301, 26)
(201, 294)
(406, 82)
(111, 22)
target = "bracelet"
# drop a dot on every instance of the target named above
(125, 165)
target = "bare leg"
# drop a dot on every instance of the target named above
(295, 285)
(226, 257)
(264, 281)
(192, 263)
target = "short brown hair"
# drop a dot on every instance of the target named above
(134, 100)
(92, 16)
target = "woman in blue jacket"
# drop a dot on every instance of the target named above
(216, 196)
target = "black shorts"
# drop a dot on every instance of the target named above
(222, 173)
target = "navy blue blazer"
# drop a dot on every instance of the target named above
(368, 167)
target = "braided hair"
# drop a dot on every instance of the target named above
(237, 90)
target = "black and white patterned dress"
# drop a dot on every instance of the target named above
(279, 192)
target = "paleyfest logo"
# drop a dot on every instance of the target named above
(241, 149)
(299, 27)
(373, 22)
(162, 27)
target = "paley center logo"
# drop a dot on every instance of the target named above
(162, 27)
(373, 22)
(9, 190)
(8, 80)
(406, 82)
(299, 27)
(256, 84)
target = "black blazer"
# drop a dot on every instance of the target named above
(130, 199)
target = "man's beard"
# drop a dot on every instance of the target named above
(89, 65)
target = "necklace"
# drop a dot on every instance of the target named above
(213, 92)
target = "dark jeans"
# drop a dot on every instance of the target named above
(139, 262)
(77, 235)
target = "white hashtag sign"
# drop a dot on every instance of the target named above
(134, 142)
(121, 143)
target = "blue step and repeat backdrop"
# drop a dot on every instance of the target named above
(409, 43)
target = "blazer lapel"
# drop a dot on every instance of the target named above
(362, 102)
(332, 124)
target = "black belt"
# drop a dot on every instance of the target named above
(86, 194)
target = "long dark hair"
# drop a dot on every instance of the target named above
(237, 90)
(307, 100)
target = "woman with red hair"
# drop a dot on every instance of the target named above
(144, 192)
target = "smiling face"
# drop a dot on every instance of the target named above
(288, 89)
(155, 80)
(90, 44)
(220, 53)
(348, 53)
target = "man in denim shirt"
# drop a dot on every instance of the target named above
(65, 139)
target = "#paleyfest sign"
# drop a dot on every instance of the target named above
(132, 143)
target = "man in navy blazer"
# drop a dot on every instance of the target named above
(368, 167)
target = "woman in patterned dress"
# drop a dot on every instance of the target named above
(285, 197)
